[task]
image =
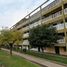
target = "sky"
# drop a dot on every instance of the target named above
(12, 11)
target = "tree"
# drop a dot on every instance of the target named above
(43, 36)
(11, 37)
(1, 41)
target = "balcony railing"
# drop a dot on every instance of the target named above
(25, 42)
(61, 41)
(35, 24)
(60, 26)
(53, 4)
(45, 9)
(50, 17)
(26, 35)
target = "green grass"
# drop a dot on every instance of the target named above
(14, 61)
(51, 57)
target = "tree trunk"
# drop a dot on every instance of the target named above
(17, 48)
(42, 49)
(38, 49)
(21, 48)
(11, 46)
(0, 47)
(28, 47)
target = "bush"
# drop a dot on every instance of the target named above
(24, 50)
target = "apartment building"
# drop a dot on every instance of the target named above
(55, 14)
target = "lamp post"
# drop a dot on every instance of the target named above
(62, 2)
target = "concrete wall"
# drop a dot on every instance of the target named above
(62, 52)
(50, 50)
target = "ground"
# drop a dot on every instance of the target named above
(14, 61)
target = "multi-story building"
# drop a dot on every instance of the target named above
(55, 14)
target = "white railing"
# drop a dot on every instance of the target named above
(35, 24)
(25, 29)
(60, 26)
(44, 10)
(66, 25)
(65, 10)
(26, 35)
(54, 15)
(53, 4)
(25, 42)
(61, 41)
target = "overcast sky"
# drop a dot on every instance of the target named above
(11, 11)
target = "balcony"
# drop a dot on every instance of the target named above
(61, 41)
(50, 17)
(24, 29)
(26, 35)
(54, 16)
(44, 10)
(60, 26)
(45, 20)
(35, 24)
(26, 42)
(51, 6)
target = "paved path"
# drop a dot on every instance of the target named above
(37, 60)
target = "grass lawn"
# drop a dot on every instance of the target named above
(14, 61)
(51, 57)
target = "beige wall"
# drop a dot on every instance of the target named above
(50, 50)
(62, 52)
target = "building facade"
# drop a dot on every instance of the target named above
(55, 14)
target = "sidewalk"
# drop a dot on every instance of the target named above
(36, 60)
